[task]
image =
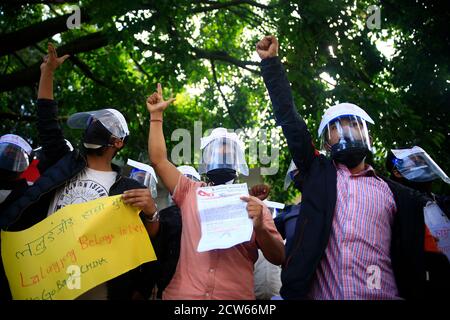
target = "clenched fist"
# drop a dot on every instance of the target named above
(261, 191)
(267, 47)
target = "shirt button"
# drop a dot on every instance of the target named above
(207, 294)
(211, 270)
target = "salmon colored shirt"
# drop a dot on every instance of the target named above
(222, 274)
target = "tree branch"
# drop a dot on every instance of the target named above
(87, 71)
(140, 68)
(17, 3)
(224, 56)
(30, 75)
(235, 120)
(34, 33)
(17, 117)
(213, 5)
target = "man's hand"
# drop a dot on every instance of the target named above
(255, 211)
(51, 60)
(261, 191)
(267, 47)
(156, 102)
(141, 199)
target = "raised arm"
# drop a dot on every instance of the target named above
(50, 132)
(157, 151)
(294, 127)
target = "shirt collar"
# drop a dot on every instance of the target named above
(368, 171)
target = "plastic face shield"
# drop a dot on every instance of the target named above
(346, 132)
(416, 165)
(189, 172)
(223, 153)
(146, 179)
(13, 158)
(111, 119)
(290, 174)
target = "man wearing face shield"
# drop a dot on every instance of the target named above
(69, 177)
(222, 157)
(217, 274)
(15, 154)
(414, 168)
(358, 236)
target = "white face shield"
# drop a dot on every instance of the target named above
(190, 173)
(222, 150)
(111, 119)
(146, 179)
(144, 174)
(290, 174)
(223, 153)
(345, 132)
(416, 165)
(344, 127)
(14, 153)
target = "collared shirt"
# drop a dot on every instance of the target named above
(218, 274)
(357, 263)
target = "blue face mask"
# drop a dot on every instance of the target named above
(419, 174)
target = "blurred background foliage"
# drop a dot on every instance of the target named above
(203, 52)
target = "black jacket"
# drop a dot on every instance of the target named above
(60, 166)
(167, 246)
(318, 180)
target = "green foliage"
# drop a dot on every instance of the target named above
(198, 53)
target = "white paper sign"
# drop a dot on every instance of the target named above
(439, 226)
(224, 219)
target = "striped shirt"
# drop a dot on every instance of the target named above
(356, 263)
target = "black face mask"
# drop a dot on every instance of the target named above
(9, 179)
(96, 133)
(349, 154)
(424, 187)
(221, 176)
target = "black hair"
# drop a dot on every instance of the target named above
(95, 152)
(7, 175)
(390, 162)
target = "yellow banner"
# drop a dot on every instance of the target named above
(75, 249)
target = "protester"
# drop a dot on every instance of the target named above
(15, 154)
(358, 236)
(413, 167)
(73, 177)
(215, 274)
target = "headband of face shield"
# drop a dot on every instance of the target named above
(14, 153)
(96, 135)
(189, 172)
(99, 126)
(416, 165)
(146, 179)
(345, 132)
(223, 153)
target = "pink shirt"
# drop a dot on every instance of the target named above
(218, 274)
(357, 263)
